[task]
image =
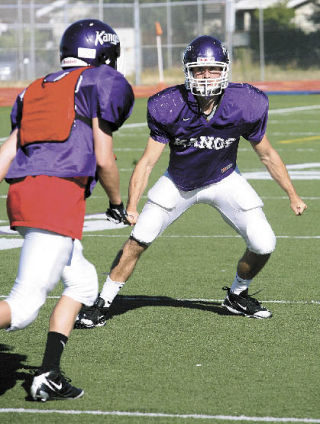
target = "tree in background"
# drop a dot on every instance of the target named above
(284, 43)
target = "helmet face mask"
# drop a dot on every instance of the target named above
(206, 55)
(89, 42)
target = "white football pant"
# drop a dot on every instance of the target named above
(45, 258)
(235, 199)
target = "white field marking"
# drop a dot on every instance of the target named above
(136, 125)
(293, 109)
(249, 149)
(313, 133)
(302, 149)
(304, 165)
(5, 230)
(6, 244)
(179, 235)
(160, 299)
(302, 171)
(262, 197)
(286, 198)
(14, 243)
(95, 222)
(294, 175)
(293, 121)
(200, 236)
(280, 149)
(163, 415)
(102, 215)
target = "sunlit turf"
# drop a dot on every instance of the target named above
(169, 347)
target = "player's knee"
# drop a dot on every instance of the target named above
(24, 309)
(150, 223)
(81, 284)
(261, 238)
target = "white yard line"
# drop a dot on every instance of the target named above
(199, 300)
(200, 236)
(163, 415)
(293, 109)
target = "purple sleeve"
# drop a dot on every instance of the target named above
(157, 131)
(257, 130)
(257, 125)
(116, 100)
(16, 113)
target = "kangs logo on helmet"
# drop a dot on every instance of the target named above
(106, 37)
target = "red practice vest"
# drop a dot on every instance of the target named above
(49, 109)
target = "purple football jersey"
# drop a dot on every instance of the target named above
(100, 92)
(205, 151)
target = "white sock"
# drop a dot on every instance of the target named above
(110, 290)
(239, 284)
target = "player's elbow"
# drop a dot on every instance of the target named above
(105, 162)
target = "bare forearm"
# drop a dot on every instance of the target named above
(110, 181)
(279, 173)
(137, 185)
(140, 177)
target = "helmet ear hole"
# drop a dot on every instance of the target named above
(105, 59)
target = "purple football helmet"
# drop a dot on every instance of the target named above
(89, 42)
(206, 52)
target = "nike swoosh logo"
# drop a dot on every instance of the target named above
(54, 386)
(243, 307)
(185, 119)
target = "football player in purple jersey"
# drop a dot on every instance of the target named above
(202, 121)
(60, 143)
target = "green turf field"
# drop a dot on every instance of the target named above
(170, 354)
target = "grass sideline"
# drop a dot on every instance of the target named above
(170, 348)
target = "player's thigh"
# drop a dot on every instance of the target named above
(43, 256)
(255, 229)
(241, 207)
(166, 203)
(80, 277)
(152, 221)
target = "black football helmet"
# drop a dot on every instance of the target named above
(206, 51)
(89, 42)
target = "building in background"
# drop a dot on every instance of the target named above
(30, 30)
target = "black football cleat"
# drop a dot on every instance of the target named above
(92, 316)
(243, 304)
(52, 385)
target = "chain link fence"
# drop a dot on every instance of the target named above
(30, 32)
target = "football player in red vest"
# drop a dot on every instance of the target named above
(61, 143)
